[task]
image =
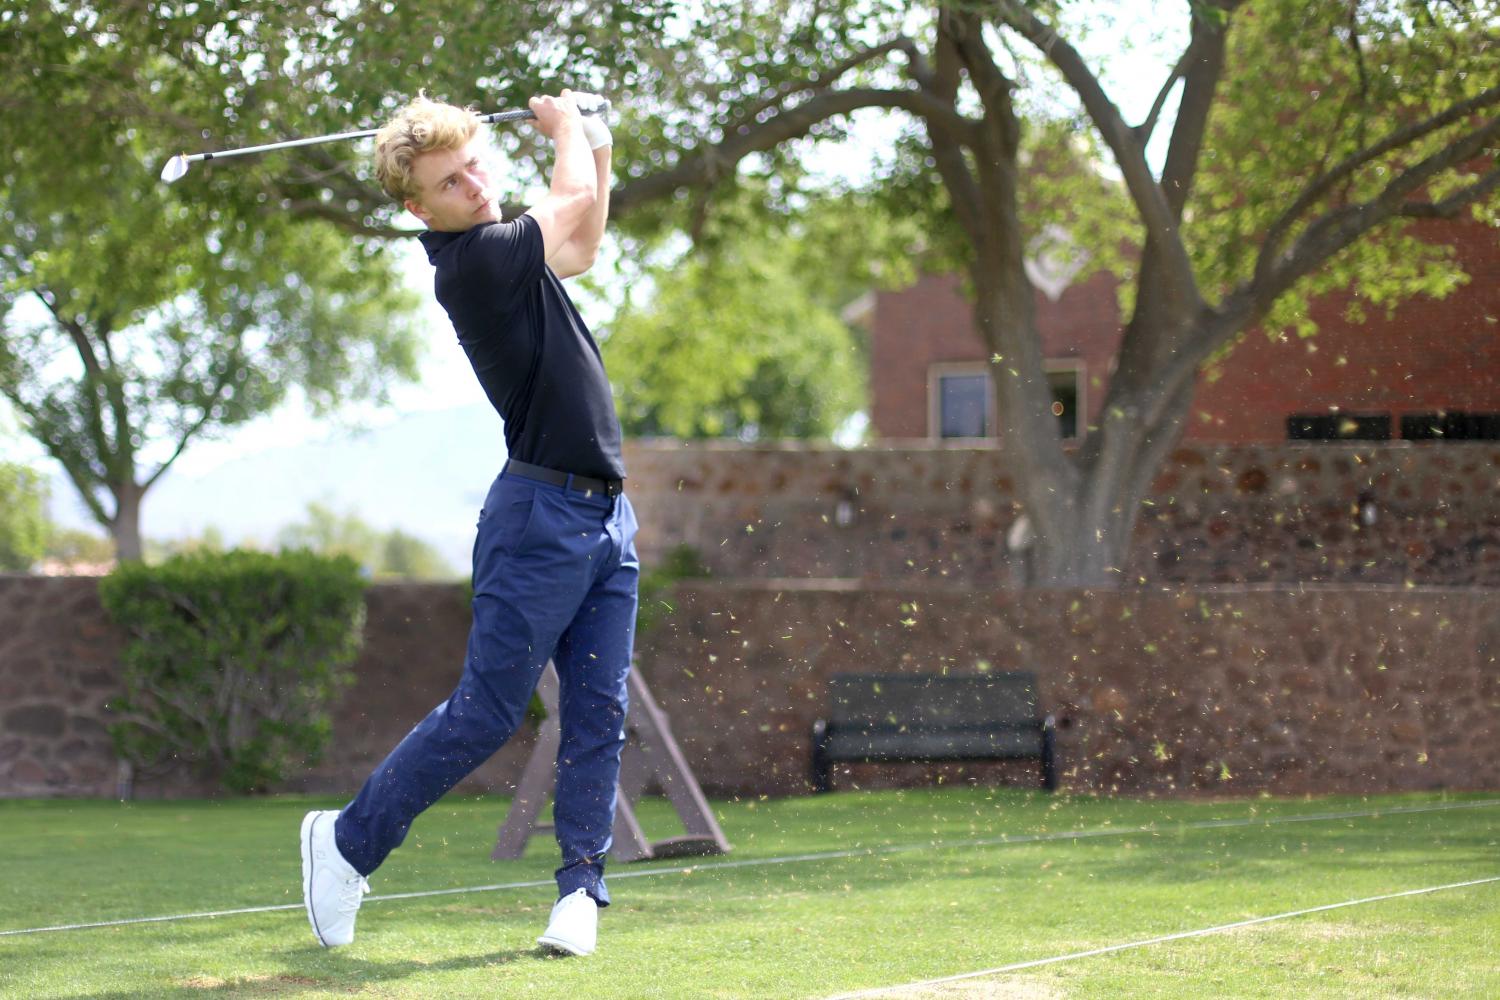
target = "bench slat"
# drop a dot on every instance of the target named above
(929, 745)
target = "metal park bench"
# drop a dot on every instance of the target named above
(932, 717)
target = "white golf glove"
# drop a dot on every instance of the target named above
(593, 107)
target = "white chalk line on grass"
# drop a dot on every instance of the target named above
(1163, 939)
(856, 852)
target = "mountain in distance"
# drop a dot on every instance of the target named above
(425, 473)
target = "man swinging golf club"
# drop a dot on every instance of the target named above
(555, 567)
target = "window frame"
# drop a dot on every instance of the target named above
(1080, 387)
(939, 370)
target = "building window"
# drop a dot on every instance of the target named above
(964, 407)
(1338, 427)
(1067, 397)
(1450, 425)
(962, 399)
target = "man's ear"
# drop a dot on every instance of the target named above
(415, 208)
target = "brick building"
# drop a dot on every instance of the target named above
(1430, 370)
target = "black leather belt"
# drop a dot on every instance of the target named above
(583, 484)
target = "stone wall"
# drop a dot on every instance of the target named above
(1391, 513)
(58, 668)
(1216, 689)
(59, 659)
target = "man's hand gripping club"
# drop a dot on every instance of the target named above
(573, 214)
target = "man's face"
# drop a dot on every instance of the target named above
(453, 188)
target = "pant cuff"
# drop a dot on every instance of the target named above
(355, 857)
(586, 876)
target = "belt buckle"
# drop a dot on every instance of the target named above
(613, 488)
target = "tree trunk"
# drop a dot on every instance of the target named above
(1063, 541)
(1081, 507)
(1087, 539)
(125, 527)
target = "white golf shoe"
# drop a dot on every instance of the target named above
(574, 927)
(331, 889)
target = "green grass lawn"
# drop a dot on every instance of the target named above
(928, 892)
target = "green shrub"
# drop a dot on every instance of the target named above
(234, 660)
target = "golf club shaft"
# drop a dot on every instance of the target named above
(497, 116)
(177, 166)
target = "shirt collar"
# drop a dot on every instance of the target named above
(435, 243)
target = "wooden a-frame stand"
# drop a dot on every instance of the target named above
(650, 752)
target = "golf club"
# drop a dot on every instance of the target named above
(177, 166)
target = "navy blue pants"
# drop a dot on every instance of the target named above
(555, 575)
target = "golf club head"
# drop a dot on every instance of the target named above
(175, 168)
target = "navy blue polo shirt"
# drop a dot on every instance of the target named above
(535, 358)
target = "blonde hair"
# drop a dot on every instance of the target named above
(422, 126)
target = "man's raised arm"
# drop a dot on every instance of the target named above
(572, 193)
(578, 253)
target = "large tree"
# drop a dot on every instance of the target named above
(744, 333)
(133, 319)
(1381, 113)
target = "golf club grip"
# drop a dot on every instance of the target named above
(526, 114)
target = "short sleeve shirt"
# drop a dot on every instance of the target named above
(535, 358)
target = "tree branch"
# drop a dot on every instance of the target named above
(1144, 129)
(1339, 227)
(947, 152)
(993, 86)
(917, 66)
(1334, 231)
(78, 473)
(75, 332)
(1213, 329)
(118, 461)
(714, 162)
(94, 379)
(1451, 205)
(313, 208)
(821, 81)
(1149, 198)
(192, 430)
(1320, 186)
(1201, 76)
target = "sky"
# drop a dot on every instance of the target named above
(297, 457)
